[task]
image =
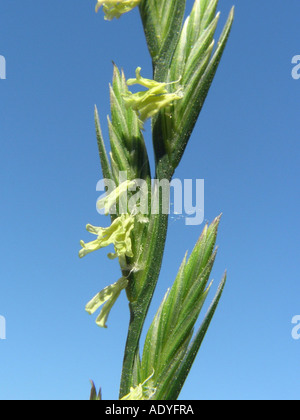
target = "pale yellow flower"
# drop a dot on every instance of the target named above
(148, 103)
(107, 203)
(108, 297)
(118, 234)
(141, 392)
(115, 8)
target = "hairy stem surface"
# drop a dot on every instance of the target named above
(138, 310)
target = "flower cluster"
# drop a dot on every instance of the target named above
(148, 103)
(118, 234)
(141, 392)
(115, 8)
(109, 202)
(107, 297)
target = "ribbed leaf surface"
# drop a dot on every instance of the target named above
(199, 71)
(194, 64)
(162, 20)
(168, 349)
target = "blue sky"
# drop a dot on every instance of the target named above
(246, 148)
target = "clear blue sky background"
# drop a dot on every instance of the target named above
(246, 147)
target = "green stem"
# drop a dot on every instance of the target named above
(149, 276)
(158, 226)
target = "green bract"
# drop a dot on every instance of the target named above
(116, 8)
(170, 347)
